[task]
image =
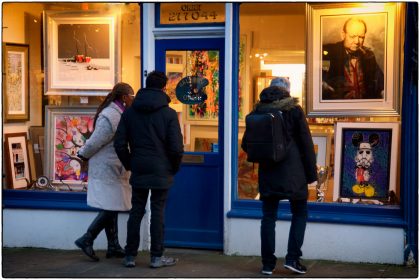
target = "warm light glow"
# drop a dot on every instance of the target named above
(295, 72)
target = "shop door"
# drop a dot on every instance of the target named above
(194, 212)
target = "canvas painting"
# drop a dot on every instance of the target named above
(365, 160)
(71, 133)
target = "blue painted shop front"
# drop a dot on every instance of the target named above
(194, 212)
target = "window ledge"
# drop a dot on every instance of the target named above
(24, 199)
(390, 216)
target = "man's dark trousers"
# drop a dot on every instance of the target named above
(157, 207)
(268, 234)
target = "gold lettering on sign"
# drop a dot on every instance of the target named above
(191, 13)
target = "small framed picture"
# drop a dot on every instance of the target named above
(17, 160)
(365, 160)
(16, 82)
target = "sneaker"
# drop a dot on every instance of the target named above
(129, 261)
(156, 262)
(295, 266)
(267, 271)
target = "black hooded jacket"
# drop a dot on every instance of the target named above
(290, 177)
(148, 140)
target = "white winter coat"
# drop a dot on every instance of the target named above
(108, 186)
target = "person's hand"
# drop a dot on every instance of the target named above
(326, 87)
(81, 157)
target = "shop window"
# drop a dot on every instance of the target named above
(74, 99)
(272, 44)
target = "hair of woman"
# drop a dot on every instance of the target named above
(118, 91)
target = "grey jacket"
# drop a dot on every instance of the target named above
(108, 186)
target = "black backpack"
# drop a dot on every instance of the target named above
(265, 137)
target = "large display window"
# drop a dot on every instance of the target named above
(282, 45)
(73, 54)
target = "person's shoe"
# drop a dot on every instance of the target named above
(129, 261)
(267, 270)
(156, 262)
(296, 266)
(86, 247)
(115, 251)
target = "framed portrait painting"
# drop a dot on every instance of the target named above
(67, 129)
(365, 160)
(17, 160)
(81, 53)
(353, 59)
(16, 82)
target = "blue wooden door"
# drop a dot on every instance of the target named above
(194, 212)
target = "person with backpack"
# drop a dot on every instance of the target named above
(282, 177)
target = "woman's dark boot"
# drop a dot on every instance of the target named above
(111, 230)
(86, 241)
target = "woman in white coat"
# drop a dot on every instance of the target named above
(108, 186)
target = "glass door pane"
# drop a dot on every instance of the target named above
(193, 77)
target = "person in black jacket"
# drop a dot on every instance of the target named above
(149, 143)
(287, 179)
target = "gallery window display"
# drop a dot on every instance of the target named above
(354, 116)
(72, 55)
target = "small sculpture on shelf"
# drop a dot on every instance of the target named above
(321, 183)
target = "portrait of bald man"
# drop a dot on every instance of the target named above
(353, 64)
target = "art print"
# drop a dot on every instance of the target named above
(17, 160)
(365, 160)
(83, 50)
(71, 133)
(16, 82)
(353, 59)
(67, 130)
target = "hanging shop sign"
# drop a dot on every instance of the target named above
(191, 13)
(190, 90)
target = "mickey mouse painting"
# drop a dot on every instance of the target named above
(363, 163)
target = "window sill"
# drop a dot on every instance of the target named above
(24, 199)
(336, 213)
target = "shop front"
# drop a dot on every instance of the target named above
(61, 59)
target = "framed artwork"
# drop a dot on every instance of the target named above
(365, 163)
(244, 87)
(37, 137)
(247, 176)
(322, 145)
(205, 144)
(17, 160)
(353, 59)
(81, 54)
(67, 129)
(204, 64)
(16, 82)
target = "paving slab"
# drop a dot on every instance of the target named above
(47, 263)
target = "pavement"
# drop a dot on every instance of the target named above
(47, 263)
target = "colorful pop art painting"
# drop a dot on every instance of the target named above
(365, 160)
(71, 133)
(205, 64)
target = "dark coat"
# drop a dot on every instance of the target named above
(290, 177)
(334, 58)
(148, 140)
